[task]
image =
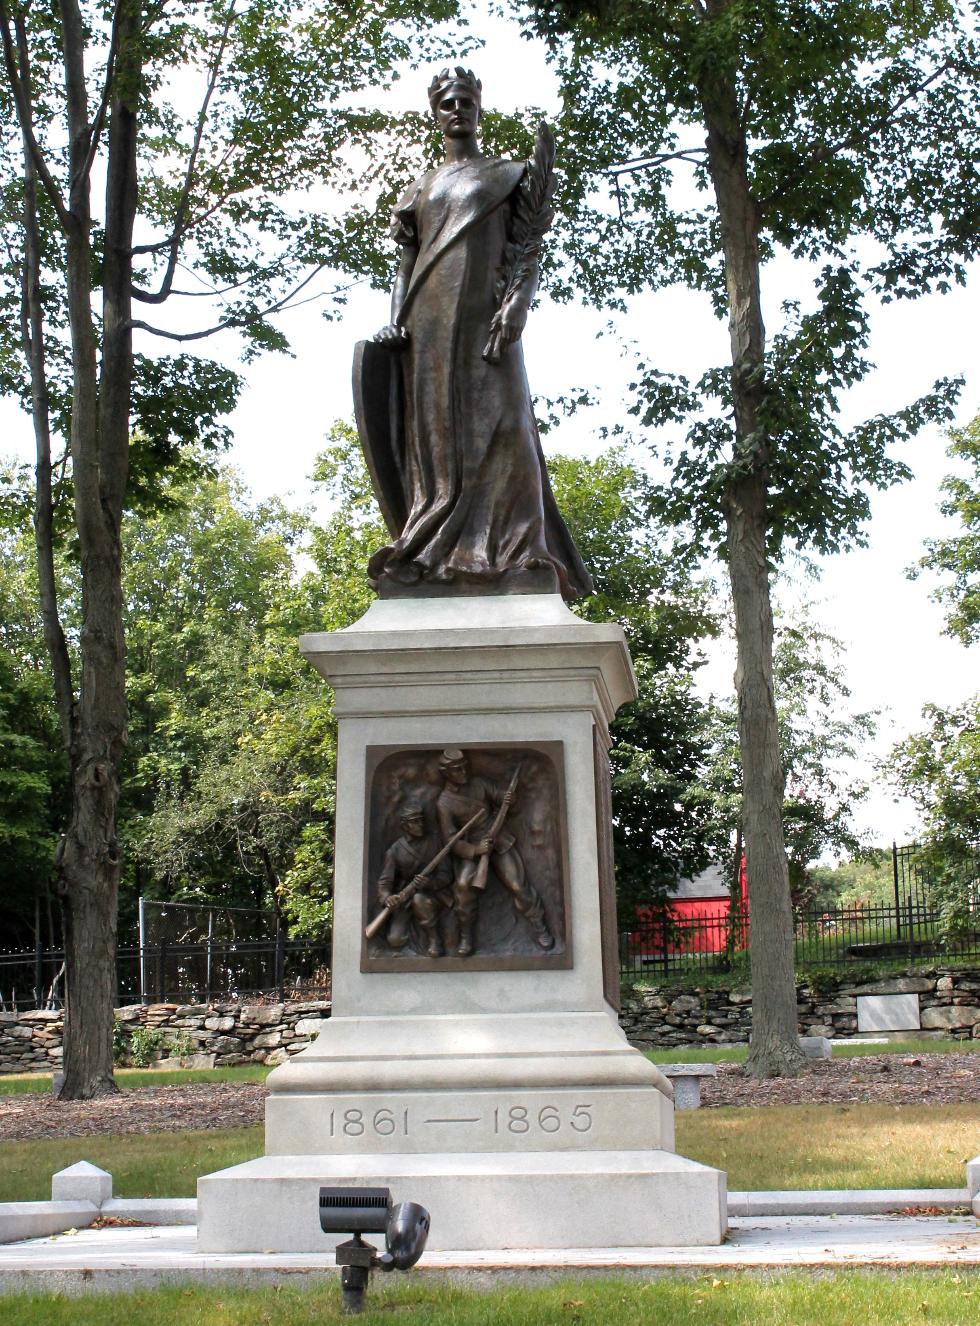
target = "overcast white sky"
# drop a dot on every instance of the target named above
(896, 656)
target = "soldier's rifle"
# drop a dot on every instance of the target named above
(406, 895)
(483, 867)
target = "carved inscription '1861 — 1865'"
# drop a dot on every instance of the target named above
(466, 858)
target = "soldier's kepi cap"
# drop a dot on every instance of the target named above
(451, 757)
(411, 810)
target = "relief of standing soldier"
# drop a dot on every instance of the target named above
(479, 841)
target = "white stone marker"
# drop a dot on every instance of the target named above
(81, 1182)
(508, 1102)
(888, 1012)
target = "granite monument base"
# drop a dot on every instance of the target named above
(495, 1088)
(583, 1199)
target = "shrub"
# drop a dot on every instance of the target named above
(821, 981)
(143, 1045)
(178, 1043)
(120, 1044)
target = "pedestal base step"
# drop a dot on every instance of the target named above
(587, 1199)
(413, 1122)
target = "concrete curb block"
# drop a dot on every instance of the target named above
(28, 1220)
(20, 1221)
(81, 1182)
(871, 1201)
(152, 1210)
(35, 1220)
(112, 1260)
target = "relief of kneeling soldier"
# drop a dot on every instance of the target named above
(433, 897)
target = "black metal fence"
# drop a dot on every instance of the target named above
(669, 944)
(198, 953)
(184, 973)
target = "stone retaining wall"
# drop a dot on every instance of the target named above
(949, 1004)
(230, 1033)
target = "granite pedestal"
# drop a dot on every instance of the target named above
(502, 1095)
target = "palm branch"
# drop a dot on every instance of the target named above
(531, 219)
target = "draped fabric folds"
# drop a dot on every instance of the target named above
(480, 507)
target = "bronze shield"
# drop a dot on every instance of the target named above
(378, 409)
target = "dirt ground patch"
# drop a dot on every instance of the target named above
(137, 1110)
(927, 1079)
(881, 1079)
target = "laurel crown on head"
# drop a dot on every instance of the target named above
(448, 78)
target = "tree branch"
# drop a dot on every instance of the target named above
(159, 245)
(121, 197)
(180, 227)
(660, 158)
(79, 129)
(99, 122)
(78, 272)
(217, 292)
(25, 115)
(241, 321)
(824, 151)
(32, 337)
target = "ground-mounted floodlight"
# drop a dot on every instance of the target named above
(369, 1211)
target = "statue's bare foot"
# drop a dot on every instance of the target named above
(544, 939)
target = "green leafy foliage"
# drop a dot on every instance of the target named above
(820, 737)
(958, 556)
(227, 731)
(859, 881)
(232, 790)
(660, 742)
(701, 141)
(856, 120)
(32, 767)
(138, 1046)
(32, 779)
(939, 769)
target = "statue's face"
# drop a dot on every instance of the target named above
(457, 773)
(414, 827)
(458, 112)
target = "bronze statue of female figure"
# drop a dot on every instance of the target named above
(444, 411)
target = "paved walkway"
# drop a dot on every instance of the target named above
(107, 1259)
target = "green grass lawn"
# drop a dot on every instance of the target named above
(805, 1146)
(737, 1054)
(141, 1165)
(21, 1083)
(847, 1298)
(834, 1146)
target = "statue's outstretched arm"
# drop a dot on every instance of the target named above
(394, 335)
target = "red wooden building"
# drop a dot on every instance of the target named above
(699, 910)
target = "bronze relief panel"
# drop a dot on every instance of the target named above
(466, 858)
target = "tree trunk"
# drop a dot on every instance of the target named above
(774, 1049)
(736, 904)
(89, 857)
(89, 911)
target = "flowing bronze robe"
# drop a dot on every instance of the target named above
(480, 507)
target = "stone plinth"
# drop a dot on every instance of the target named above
(501, 1094)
